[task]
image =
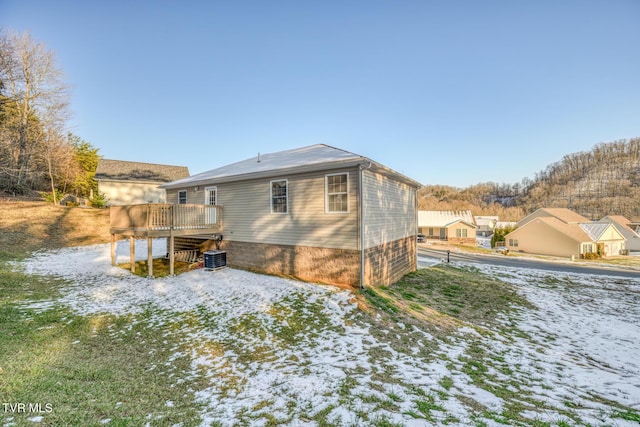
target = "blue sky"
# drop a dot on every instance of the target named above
(447, 92)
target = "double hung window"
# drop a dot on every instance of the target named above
(337, 193)
(182, 197)
(279, 196)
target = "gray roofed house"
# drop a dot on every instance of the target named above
(305, 159)
(450, 226)
(318, 213)
(127, 183)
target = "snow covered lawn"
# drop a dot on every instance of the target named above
(266, 350)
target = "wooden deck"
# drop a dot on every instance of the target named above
(165, 220)
(155, 220)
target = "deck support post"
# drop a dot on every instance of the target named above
(160, 220)
(172, 255)
(113, 249)
(132, 253)
(150, 256)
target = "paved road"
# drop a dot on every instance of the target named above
(529, 263)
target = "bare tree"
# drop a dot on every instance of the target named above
(35, 99)
(55, 155)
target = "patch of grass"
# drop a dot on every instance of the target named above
(380, 302)
(87, 369)
(345, 388)
(426, 405)
(452, 297)
(258, 337)
(627, 415)
(321, 417)
(31, 226)
(438, 300)
(463, 293)
(446, 383)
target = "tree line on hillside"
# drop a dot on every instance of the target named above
(37, 150)
(603, 181)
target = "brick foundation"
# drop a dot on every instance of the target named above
(387, 263)
(384, 264)
(321, 265)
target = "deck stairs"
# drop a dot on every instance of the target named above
(187, 249)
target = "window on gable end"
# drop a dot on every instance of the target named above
(337, 193)
(279, 196)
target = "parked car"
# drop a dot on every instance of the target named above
(421, 238)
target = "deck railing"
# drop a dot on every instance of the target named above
(160, 217)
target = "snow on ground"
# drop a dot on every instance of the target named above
(578, 348)
(586, 329)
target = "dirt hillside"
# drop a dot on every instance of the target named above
(27, 226)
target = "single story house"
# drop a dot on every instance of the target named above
(626, 228)
(563, 233)
(318, 213)
(486, 224)
(129, 183)
(450, 226)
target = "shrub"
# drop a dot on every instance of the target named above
(99, 200)
(48, 197)
(499, 233)
(591, 255)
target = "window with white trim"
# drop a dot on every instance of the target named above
(211, 195)
(279, 196)
(461, 232)
(337, 192)
(182, 197)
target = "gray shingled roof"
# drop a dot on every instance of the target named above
(121, 170)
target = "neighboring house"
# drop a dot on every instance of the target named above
(626, 228)
(318, 213)
(564, 233)
(505, 224)
(485, 224)
(563, 214)
(635, 226)
(450, 226)
(129, 183)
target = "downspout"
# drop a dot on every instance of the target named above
(361, 170)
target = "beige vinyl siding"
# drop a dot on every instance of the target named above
(389, 210)
(247, 213)
(131, 193)
(193, 196)
(453, 233)
(613, 241)
(537, 237)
